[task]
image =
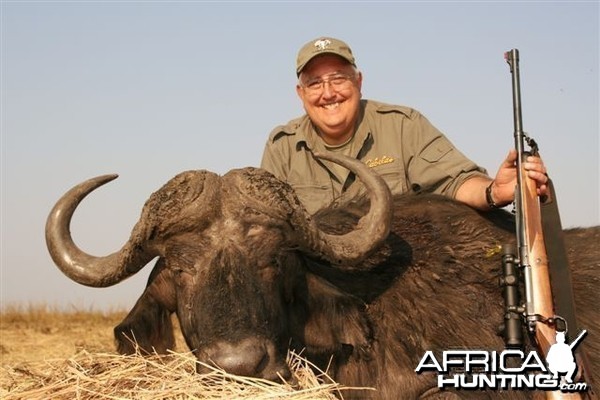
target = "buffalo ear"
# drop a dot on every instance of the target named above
(148, 327)
(334, 322)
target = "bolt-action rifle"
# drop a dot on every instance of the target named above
(526, 267)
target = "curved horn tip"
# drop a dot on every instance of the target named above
(76, 264)
(107, 177)
(98, 181)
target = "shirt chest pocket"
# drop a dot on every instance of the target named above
(313, 196)
(434, 166)
(394, 176)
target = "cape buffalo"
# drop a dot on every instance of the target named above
(364, 290)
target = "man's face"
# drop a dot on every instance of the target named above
(329, 88)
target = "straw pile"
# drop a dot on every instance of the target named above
(110, 376)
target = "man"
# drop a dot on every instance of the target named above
(398, 142)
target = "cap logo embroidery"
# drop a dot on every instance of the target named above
(322, 44)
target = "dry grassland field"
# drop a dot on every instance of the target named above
(47, 354)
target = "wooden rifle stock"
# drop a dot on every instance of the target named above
(532, 257)
(535, 261)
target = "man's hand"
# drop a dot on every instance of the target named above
(473, 191)
(503, 188)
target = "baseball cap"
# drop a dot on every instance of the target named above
(323, 45)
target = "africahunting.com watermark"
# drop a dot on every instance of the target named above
(508, 369)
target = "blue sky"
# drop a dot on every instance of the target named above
(149, 89)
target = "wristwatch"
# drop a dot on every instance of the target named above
(488, 196)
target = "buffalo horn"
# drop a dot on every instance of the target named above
(75, 263)
(372, 228)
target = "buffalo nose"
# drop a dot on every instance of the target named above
(248, 362)
(249, 357)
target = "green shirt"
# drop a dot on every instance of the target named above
(398, 142)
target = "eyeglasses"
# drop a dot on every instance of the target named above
(336, 81)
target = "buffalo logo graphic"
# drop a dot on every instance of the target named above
(322, 44)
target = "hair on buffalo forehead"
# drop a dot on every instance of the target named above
(260, 188)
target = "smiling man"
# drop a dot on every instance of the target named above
(396, 141)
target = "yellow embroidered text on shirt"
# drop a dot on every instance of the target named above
(379, 161)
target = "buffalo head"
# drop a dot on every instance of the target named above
(228, 266)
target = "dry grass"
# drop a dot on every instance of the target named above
(55, 355)
(110, 376)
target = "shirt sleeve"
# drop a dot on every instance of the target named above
(434, 164)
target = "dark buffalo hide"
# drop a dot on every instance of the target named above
(434, 285)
